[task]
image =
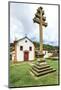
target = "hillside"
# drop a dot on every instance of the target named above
(45, 46)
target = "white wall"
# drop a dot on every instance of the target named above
(47, 55)
(31, 54)
(20, 54)
(13, 55)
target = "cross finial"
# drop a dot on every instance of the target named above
(25, 35)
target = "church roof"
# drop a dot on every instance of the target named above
(16, 41)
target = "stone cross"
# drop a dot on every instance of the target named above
(40, 19)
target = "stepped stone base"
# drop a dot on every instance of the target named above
(41, 68)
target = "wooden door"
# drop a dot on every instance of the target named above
(26, 56)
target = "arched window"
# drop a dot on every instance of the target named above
(30, 48)
(25, 41)
(21, 47)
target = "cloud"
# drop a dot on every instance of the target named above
(16, 29)
(21, 22)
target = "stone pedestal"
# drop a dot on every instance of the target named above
(41, 67)
(40, 59)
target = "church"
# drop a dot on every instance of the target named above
(23, 50)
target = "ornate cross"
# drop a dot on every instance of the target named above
(40, 19)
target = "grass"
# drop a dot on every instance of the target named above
(20, 75)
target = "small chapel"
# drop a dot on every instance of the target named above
(23, 50)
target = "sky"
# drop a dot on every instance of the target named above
(21, 22)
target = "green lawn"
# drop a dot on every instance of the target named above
(20, 75)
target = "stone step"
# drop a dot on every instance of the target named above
(38, 64)
(42, 70)
(43, 73)
(41, 66)
(40, 61)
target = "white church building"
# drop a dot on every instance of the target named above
(24, 50)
